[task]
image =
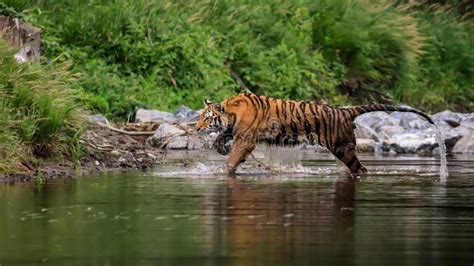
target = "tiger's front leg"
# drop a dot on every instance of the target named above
(241, 149)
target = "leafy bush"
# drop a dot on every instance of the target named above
(161, 54)
(39, 112)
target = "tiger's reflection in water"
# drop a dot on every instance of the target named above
(295, 220)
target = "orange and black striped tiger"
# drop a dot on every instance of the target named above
(249, 119)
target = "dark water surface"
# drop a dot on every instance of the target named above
(402, 214)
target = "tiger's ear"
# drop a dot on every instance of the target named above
(207, 102)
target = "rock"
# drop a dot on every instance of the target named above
(451, 140)
(178, 143)
(410, 142)
(366, 145)
(468, 121)
(452, 118)
(186, 114)
(202, 142)
(443, 125)
(165, 134)
(97, 119)
(465, 144)
(461, 130)
(365, 132)
(375, 120)
(415, 124)
(405, 116)
(388, 131)
(144, 115)
(197, 143)
(421, 142)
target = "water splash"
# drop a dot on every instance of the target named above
(197, 170)
(443, 168)
(278, 156)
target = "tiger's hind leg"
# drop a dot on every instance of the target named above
(347, 154)
(239, 152)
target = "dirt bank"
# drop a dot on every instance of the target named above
(105, 150)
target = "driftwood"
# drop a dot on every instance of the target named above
(27, 38)
(130, 133)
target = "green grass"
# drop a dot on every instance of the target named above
(39, 113)
(161, 54)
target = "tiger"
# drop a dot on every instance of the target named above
(248, 119)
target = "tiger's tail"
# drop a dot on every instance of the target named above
(358, 110)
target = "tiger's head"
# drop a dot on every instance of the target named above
(212, 119)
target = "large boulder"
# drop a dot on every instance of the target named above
(166, 135)
(144, 115)
(409, 142)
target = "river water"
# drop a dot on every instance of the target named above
(187, 212)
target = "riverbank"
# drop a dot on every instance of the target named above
(104, 150)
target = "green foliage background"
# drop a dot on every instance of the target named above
(160, 54)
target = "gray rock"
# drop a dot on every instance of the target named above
(366, 145)
(452, 118)
(186, 114)
(409, 142)
(144, 115)
(388, 131)
(165, 134)
(365, 132)
(461, 130)
(178, 143)
(197, 143)
(443, 124)
(419, 124)
(465, 144)
(468, 121)
(404, 118)
(97, 119)
(375, 120)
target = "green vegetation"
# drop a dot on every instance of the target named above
(160, 54)
(39, 114)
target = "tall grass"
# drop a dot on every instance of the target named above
(378, 44)
(446, 69)
(39, 113)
